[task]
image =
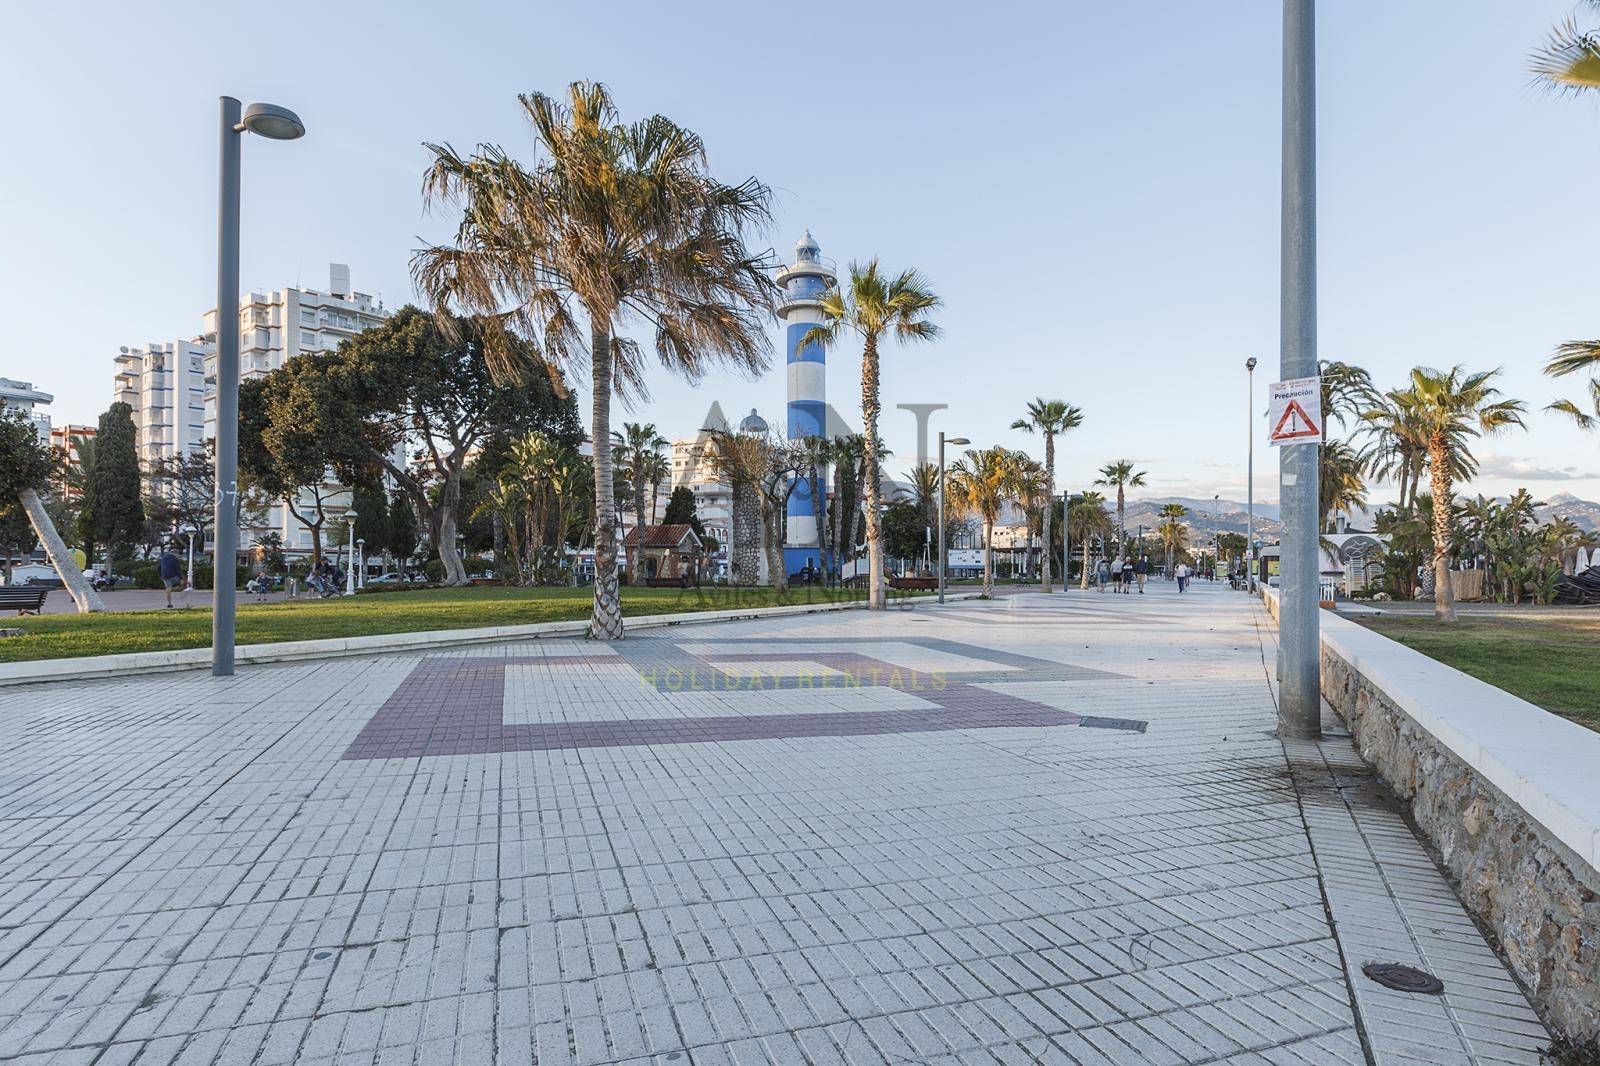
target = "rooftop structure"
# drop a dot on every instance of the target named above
(23, 398)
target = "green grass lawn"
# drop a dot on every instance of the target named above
(1552, 660)
(59, 636)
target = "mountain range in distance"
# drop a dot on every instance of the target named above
(1231, 515)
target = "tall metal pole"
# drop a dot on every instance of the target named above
(1300, 697)
(1250, 474)
(222, 571)
(1066, 541)
(941, 516)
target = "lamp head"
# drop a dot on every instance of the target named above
(273, 122)
(350, 515)
(1250, 363)
(957, 440)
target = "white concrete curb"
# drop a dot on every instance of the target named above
(1542, 762)
(144, 662)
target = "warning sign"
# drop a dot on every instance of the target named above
(1296, 413)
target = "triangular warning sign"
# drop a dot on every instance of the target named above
(1295, 424)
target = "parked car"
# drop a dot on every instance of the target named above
(390, 578)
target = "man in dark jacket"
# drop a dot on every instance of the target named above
(169, 571)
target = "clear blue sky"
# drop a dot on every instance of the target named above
(1093, 188)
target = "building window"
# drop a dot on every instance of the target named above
(308, 340)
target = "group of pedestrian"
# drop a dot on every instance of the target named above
(1121, 574)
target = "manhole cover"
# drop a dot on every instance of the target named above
(322, 955)
(1403, 978)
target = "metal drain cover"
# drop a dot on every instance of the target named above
(1403, 978)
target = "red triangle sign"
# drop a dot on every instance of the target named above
(1295, 424)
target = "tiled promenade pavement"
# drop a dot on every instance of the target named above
(1028, 830)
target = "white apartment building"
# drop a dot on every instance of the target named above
(64, 442)
(713, 497)
(22, 397)
(166, 384)
(171, 386)
(277, 326)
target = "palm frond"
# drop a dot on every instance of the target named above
(1568, 61)
(1572, 357)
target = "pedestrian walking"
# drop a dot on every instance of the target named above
(1141, 569)
(1127, 576)
(1102, 573)
(1183, 576)
(169, 571)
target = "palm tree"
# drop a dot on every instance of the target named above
(1584, 419)
(638, 448)
(1339, 480)
(981, 484)
(1396, 449)
(1569, 61)
(874, 305)
(1121, 474)
(1452, 405)
(924, 481)
(1173, 531)
(1032, 490)
(848, 455)
(1346, 391)
(623, 223)
(1087, 519)
(1049, 417)
(657, 469)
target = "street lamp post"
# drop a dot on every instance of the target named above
(350, 553)
(1250, 474)
(1300, 667)
(277, 124)
(361, 562)
(1216, 534)
(1066, 541)
(189, 581)
(942, 443)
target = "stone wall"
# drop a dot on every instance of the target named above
(1537, 896)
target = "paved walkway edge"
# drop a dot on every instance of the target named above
(1443, 743)
(148, 662)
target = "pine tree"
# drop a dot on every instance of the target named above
(680, 510)
(402, 532)
(118, 512)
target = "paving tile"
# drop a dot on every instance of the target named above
(1037, 829)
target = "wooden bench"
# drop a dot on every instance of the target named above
(24, 599)
(922, 584)
(682, 581)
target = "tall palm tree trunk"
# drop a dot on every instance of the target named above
(1083, 578)
(1049, 506)
(988, 557)
(1444, 600)
(873, 488)
(772, 528)
(1122, 519)
(82, 593)
(605, 621)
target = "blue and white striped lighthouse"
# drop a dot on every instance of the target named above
(803, 282)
